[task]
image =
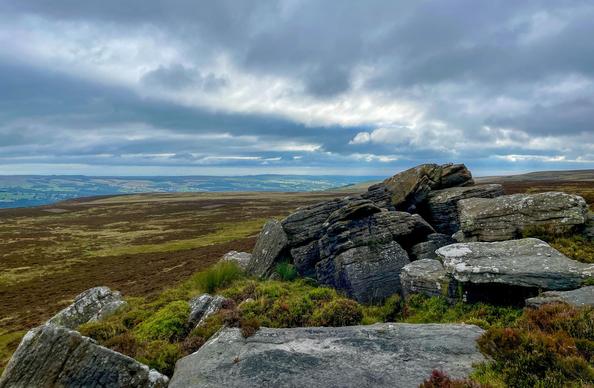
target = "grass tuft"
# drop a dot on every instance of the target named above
(286, 271)
(217, 276)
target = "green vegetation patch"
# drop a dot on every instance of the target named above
(552, 346)
(225, 232)
(8, 342)
(573, 246)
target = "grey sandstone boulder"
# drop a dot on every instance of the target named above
(92, 305)
(382, 355)
(517, 267)
(425, 276)
(365, 273)
(509, 216)
(269, 249)
(426, 249)
(242, 259)
(580, 297)
(202, 307)
(54, 356)
(361, 252)
(410, 188)
(441, 208)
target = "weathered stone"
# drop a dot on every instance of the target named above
(365, 273)
(54, 356)
(410, 188)
(94, 304)
(509, 216)
(578, 298)
(305, 224)
(242, 259)
(441, 209)
(528, 264)
(360, 251)
(382, 355)
(426, 249)
(269, 250)
(202, 307)
(380, 195)
(305, 258)
(425, 276)
(346, 229)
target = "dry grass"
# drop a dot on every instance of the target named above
(138, 244)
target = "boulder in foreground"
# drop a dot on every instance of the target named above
(94, 304)
(509, 216)
(53, 356)
(382, 355)
(578, 298)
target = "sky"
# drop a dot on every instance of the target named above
(227, 87)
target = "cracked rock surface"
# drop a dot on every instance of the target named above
(380, 355)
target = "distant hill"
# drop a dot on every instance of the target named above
(34, 190)
(569, 175)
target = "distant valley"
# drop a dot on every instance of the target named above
(35, 190)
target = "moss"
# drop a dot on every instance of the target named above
(160, 355)
(422, 309)
(167, 323)
(339, 312)
(102, 330)
(389, 311)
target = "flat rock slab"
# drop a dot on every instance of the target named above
(579, 298)
(54, 356)
(382, 355)
(528, 262)
(94, 304)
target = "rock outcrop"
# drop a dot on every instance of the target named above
(426, 249)
(509, 216)
(54, 356)
(441, 209)
(202, 307)
(92, 305)
(522, 267)
(361, 252)
(406, 190)
(269, 249)
(242, 259)
(425, 276)
(381, 355)
(580, 297)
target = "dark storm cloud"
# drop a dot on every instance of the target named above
(495, 74)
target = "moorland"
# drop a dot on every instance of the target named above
(143, 244)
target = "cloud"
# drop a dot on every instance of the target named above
(297, 85)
